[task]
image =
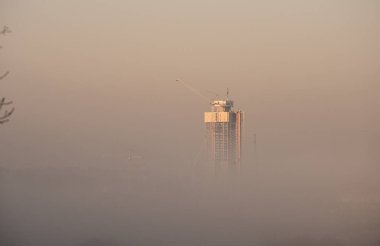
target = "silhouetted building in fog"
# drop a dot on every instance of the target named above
(224, 135)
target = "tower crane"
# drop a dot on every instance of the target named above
(196, 92)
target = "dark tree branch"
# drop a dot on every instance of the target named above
(4, 117)
(3, 102)
(5, 30)
(4, 75)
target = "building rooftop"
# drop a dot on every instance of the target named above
(222, 105)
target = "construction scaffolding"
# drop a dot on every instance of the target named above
(224, 135)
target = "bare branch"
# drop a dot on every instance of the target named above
(5, 30)
(5, 117)
(3, 102)
(4, 75)
(4, 121)
(7, 113)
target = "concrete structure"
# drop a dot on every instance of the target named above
(224, 135)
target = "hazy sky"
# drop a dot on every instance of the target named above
(93, 79)
(96, 78)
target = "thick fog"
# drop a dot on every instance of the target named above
(106, 147)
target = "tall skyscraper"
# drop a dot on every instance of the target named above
(224, 135)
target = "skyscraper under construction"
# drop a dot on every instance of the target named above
(224, 135)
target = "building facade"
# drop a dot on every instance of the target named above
(224, 135)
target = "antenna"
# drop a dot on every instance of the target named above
(228, 92)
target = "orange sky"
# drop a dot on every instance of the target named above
(101, 75)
